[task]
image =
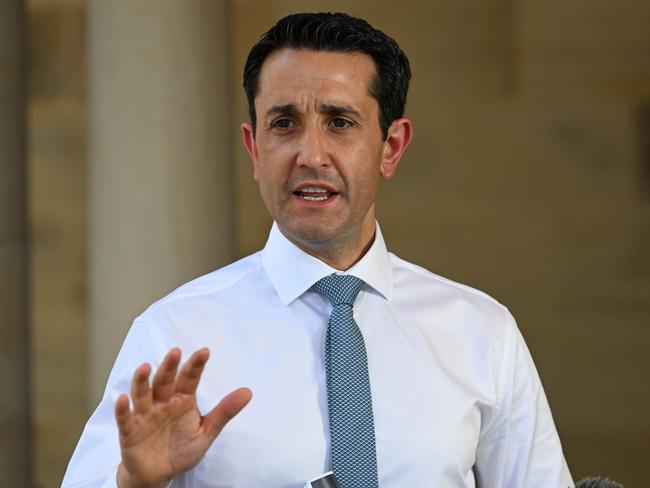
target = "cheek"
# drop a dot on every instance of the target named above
(266, 179)
(266, 162)
(275, 159)
(272, 177)
(367, 170)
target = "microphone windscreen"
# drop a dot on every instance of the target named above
(597, 482)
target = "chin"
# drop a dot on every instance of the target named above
(311, 234)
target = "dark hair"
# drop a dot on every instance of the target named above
(336, 32)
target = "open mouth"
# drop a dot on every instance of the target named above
(314, 194)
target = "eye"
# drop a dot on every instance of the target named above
(339, 123)
(282, 124)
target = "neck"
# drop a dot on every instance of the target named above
(340, 255)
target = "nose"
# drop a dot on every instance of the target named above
(312, 150)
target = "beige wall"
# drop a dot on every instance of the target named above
(14, 305)
(526, 178)
(58, 213)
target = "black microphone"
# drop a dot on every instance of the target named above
(597, 482)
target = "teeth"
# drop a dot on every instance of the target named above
(313, 189)
(314, 193)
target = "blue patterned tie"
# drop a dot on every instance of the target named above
(352, 430)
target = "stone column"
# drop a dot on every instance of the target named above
(160, 178)
(14, 346)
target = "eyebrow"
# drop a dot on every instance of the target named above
(288, 108)
(339, 109)
(329, 108)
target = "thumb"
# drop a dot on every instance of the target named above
(229, 406)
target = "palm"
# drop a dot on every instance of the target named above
(167, 440)
(165, 433)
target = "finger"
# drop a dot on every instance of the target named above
(163, 380)
(228, 407)
(140, 390)
(123, 415)
(190, 375)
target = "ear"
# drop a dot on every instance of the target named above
(248, 137)
(398, 138)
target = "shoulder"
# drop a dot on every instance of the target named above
(463, 304)
(210, 285)
(468, 328)
(407, 273)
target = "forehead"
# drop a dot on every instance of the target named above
(301, 75)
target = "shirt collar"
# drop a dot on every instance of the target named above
(292, 271)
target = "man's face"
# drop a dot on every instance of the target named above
(318, 152)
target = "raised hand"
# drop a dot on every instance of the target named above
(165, 433)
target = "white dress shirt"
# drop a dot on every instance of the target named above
(456, 398)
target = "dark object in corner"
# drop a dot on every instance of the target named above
(327, 481)
(594, 482)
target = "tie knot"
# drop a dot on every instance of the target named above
(339, 289)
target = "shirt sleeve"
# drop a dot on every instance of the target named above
(97, 455)
(520, 448)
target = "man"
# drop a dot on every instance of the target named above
(430, 382)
